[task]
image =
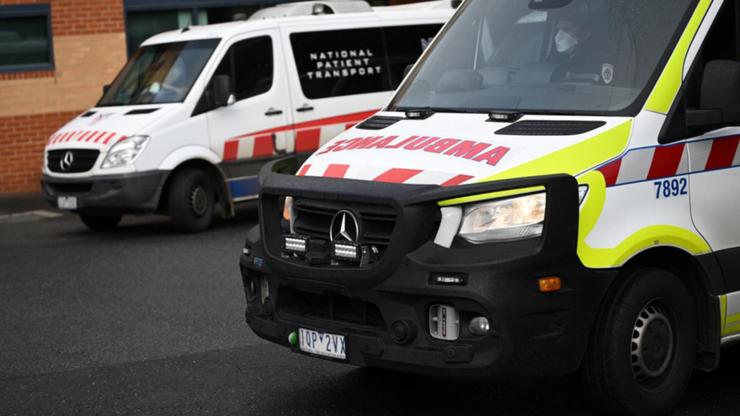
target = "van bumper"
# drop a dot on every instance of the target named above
(134, 193)
(532, 334)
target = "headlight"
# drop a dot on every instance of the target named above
(504, 220)
(125, 152)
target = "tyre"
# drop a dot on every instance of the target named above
(100, 222)
(643, 347)
(191, 200)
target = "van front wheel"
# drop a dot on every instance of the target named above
(643, 347)
(191, 201)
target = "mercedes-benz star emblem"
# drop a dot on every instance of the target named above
(344, 227)
(66, 163)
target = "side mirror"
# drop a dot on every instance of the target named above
(106, 88)
(222, 95)
(719, 97)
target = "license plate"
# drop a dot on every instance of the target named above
(67, 202)
(323, 344)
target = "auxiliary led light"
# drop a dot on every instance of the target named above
(346, 251)
(295, 244)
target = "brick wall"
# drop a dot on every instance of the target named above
(22, 139)
(89, 49)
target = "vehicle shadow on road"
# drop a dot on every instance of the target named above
(367, 391)
(148, 226)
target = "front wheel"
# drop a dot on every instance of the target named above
(100, 222)
(191, 200)
(644, 344)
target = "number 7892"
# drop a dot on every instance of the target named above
(671, 188)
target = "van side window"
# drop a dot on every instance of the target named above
(249, 63)
(341, 62)
(404, 46)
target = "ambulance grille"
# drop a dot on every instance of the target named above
(313, 219)
(378, 122)
(82, 160)
(329, 306)
(550, 128)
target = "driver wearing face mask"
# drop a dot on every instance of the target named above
(571, 46)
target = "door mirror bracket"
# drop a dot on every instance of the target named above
(222, 93)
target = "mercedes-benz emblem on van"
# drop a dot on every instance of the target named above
(67, 160)
(344, 227)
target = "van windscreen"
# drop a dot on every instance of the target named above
(547, 57)
(158, 74)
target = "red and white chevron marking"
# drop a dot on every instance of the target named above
(393, 175)
(651, 163)
(308, 136)
(85, 136)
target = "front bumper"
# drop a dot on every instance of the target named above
(532, 334)
(134, 193)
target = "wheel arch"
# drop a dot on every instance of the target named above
(702, 276)
(218, 178)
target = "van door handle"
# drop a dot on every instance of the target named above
(304, 108)
(273, 112)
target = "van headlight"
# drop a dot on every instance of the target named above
(504, 220)
(125, 152)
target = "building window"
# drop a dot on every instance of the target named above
(25, 38)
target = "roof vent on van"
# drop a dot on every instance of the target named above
(378, 122)
(550, 127)
(141, 111)
(309, 8)
(88, 114)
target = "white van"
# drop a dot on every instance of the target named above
(554, 189)
(186, 125)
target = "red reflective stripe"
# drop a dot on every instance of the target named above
(336, 171)
(397, 175)
(91, 136)
(457, 180)
(349, 126)
(307, 140)
(611, 172)
(120, 139)
(723, 153)
(304, 170)
(69, 136)
(100, 136)
(84, 136)
(107, 139)
(666, 160)
(231, 150)
(263, 146)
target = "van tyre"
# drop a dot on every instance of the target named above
(100, 222)
(643, 347)
(191, 201)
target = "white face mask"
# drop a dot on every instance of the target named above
(565, 42)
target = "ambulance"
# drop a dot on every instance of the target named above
(191, 118)
(553, 190)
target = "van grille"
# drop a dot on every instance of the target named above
(330, 307)
(313, 219)
(82, 160)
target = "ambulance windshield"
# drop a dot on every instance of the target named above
(159, 74)
(547, 57)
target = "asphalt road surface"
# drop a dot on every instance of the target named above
(147, 321)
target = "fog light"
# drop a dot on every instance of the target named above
(346, 251)
(444, 322)
(295, 244)
(479, 326)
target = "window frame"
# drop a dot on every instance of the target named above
(30, 10)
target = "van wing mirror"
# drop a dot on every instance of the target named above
(106, 88)
(720, 96)
(222, 94)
